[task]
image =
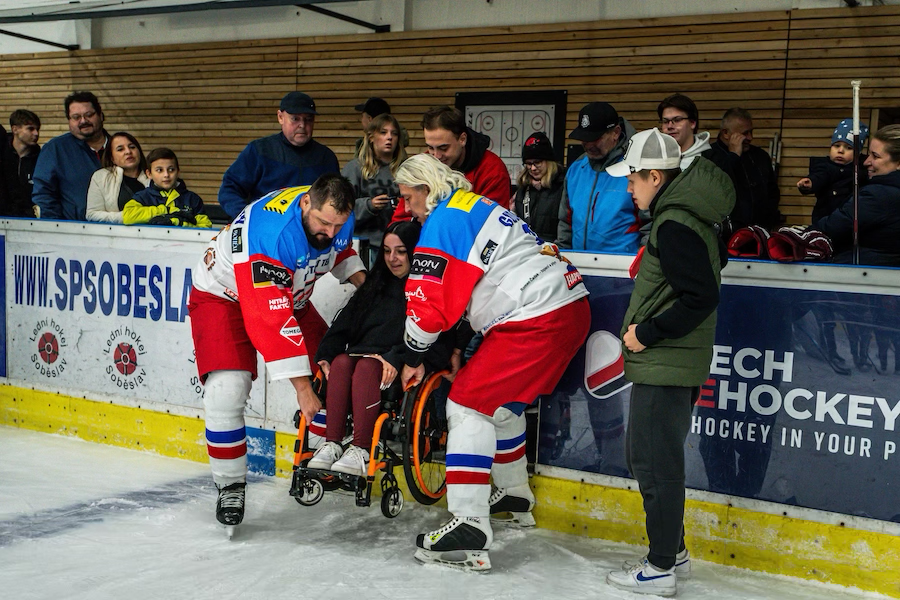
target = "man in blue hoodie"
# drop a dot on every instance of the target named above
(288, 158)
(67, 162)
(596, 211)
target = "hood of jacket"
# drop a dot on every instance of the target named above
(700, 145)
(476, 145)
(703, 190)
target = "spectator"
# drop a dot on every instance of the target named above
(371, 108)
(830, 177)
(25, 127)
(463, 149)
(878, 209)
(540, 187)
(679, 117)
(166, 201)
(533, 312)
(751, 172)
(596, 211)
(285, 159)
(123, 175)
(363, 351)
(251, 292)
(13, 199)
(668, 334)
(372, 176)
(67, 162)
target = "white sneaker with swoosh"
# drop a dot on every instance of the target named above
(644, 578)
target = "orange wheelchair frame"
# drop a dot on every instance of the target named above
(422, 437)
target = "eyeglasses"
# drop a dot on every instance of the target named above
(673, 120)
(88, 116)
(530, 164)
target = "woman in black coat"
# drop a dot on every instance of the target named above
(540, 187)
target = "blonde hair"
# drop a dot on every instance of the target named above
(524, 179)
(368, 161)
(889, 135)
(425, 170)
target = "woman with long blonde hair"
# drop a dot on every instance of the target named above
(372, 177)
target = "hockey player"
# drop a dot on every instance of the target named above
(251, 292)
(476, 256)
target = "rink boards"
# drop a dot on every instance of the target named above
(792, 465)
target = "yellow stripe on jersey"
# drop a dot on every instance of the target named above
(283, 199)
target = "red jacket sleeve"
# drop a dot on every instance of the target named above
(437, 292)
(401, 213)
(264, 291)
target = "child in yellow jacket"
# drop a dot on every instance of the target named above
(166, 201)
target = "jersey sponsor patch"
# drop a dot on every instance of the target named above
(488, 251)
(265, 274)
(237, 240)
(573, 277)
(280, 303)
(604, 365)
(428, 266)
(291, 331)
(418, 294)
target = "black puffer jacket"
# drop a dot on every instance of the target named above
(879, 224)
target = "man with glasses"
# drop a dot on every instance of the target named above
(596, 211)
(285, 159)
(67, 162)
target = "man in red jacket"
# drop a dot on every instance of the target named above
(465, 150)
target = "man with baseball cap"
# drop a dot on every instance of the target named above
(596, 211)
(285, 159)
(668, 334)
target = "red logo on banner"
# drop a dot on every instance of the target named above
(125, 359)
(48, 348)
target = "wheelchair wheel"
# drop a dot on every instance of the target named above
(311, 492)
(392, 503)
(425, 445)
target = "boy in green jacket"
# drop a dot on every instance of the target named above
(668, 335)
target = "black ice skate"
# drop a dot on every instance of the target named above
(512, 506)
(461, 543)
(230, 506)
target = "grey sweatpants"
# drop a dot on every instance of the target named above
(658, 423)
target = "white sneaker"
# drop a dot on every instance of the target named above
(325, 456)
(355, 461)
(513, 506)
(682, 564)
(644, 578)
(462, 543)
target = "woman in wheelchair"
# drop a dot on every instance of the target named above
(363, 351)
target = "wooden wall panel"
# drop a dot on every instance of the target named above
(206, 101)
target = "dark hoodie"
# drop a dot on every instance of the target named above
(484, 169)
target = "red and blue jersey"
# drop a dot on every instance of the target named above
(264, 261)
(477, 258)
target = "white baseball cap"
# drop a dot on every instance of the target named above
(649, 149)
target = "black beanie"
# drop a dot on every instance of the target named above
(538, 147)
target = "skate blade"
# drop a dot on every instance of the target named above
(465, 560)
(523, 520)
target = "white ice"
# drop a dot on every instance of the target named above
(87, 521)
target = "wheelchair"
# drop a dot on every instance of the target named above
(410, 432)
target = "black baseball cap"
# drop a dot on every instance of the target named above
(374, 107)
(594, 120)
(298, 103)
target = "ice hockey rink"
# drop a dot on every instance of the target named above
(86, 521)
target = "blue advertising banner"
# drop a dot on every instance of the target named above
(801, 406)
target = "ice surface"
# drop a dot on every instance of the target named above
(86, 521)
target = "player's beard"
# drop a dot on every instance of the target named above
(320, 241)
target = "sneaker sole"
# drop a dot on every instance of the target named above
(648, 590)
(465, 560)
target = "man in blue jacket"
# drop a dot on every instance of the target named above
(288, 158)
(596, 211)
(67, 162)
